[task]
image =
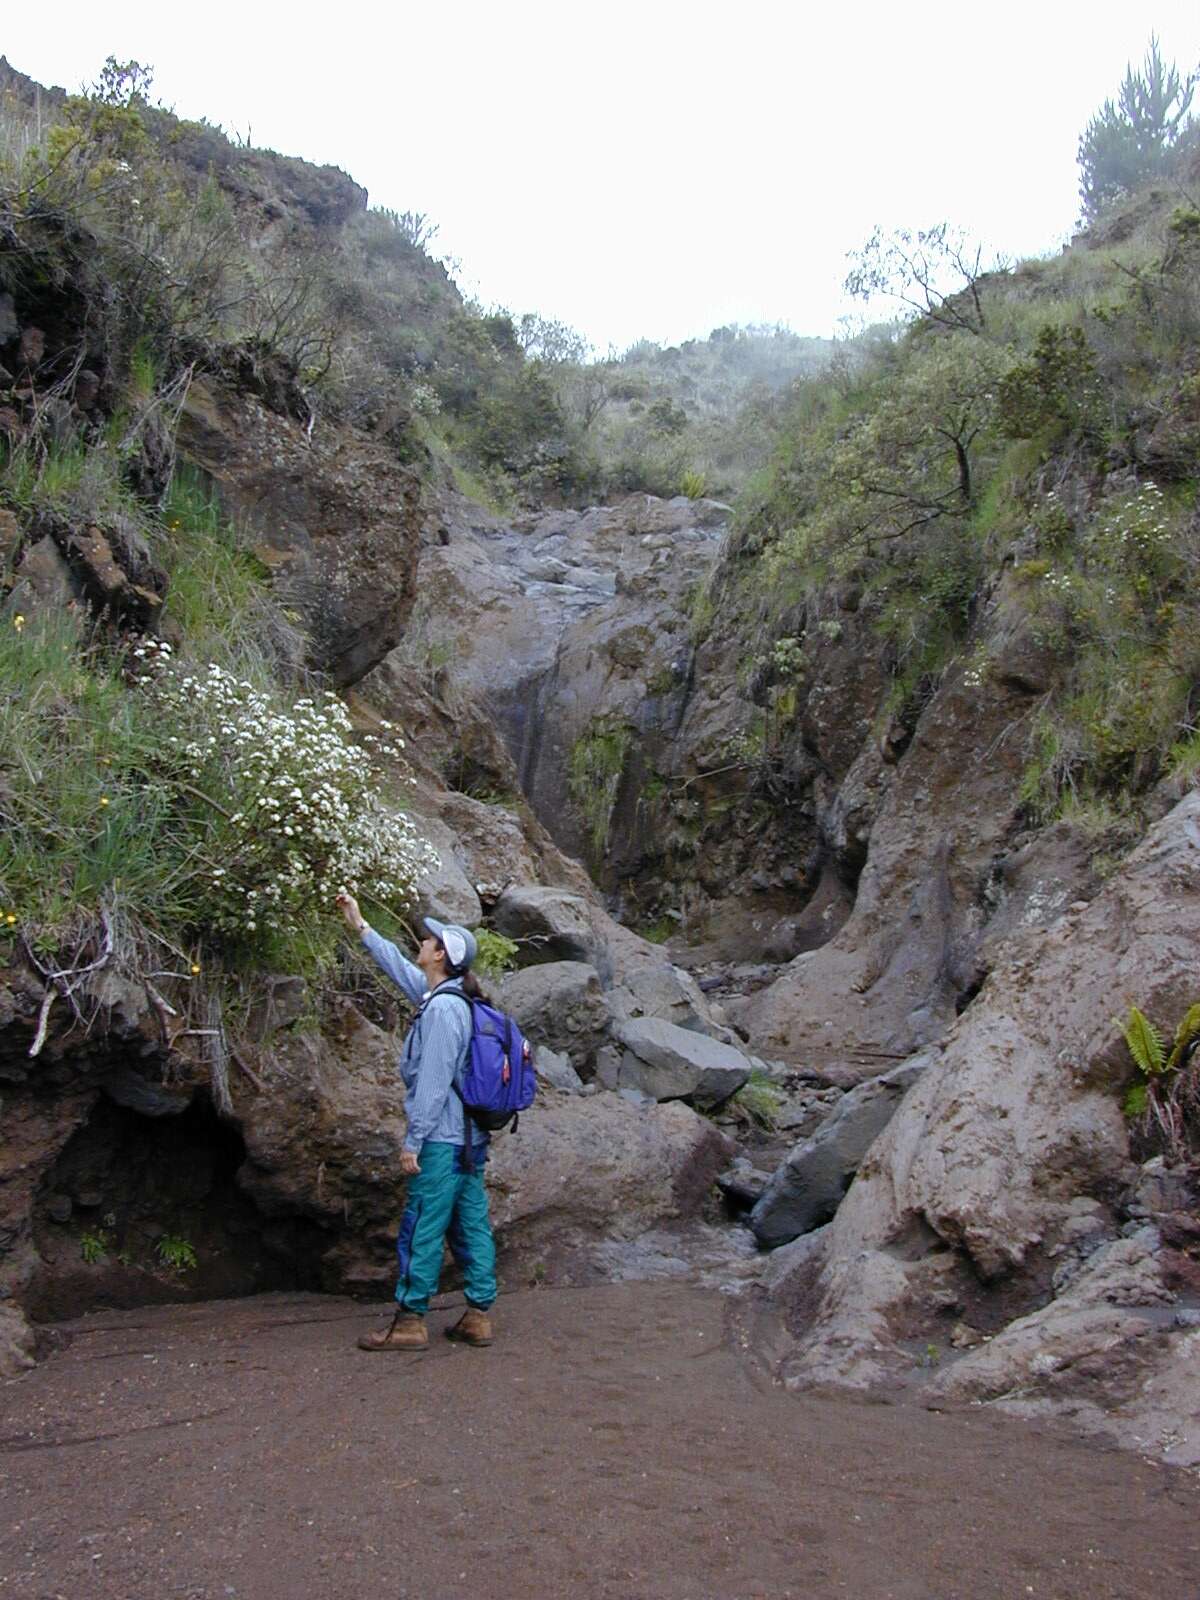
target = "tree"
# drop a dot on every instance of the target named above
(544, 339)
(910, 461)
(935, 272)
(1132, 140)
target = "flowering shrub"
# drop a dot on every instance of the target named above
(1134, 533)
(295, 813)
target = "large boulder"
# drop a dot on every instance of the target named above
(652, 987)
(560, 1004)
(807, 1188)
(1007, 1160)
(554, 923)
(584, 1168)
(672, 1063)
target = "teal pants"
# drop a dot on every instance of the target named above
(445, 1206)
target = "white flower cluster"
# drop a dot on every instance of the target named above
(1063, 583)
(1135, 529)
(295, 811)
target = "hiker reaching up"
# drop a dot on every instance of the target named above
(443, 1149)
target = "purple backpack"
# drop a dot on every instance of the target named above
(498, 1080)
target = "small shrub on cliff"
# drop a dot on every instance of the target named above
(1164, 1104)
(497, 955)
(1052, 393)
(176, 1253)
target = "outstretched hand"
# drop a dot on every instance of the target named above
(348, 906)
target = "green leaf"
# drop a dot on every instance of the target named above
(1187, 1030)
(1136, 1101)
(1144, 1041)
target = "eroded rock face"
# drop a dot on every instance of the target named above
(1002, 1166)
(888, 983)
(338, 519)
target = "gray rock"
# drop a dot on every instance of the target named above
(674, 1063)
(742, 1183)
(282, 1002)
(808, 1188)
(804, 1109)
(43, 582)
(557, 1071)
(637, 1097)
(600, 1168)
(655, 988)
(559, 1004)
(557, 922)
(58, 1207)
(608, 1067)
(446, 892)
(1162, 1188)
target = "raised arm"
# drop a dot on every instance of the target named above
(387, 957)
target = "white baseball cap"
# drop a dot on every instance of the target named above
(458, 943)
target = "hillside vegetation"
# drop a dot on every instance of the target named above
(1033, 429)
(1036, 428)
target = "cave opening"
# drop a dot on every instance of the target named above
(141, 1210)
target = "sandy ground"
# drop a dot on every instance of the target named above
(614, 1441)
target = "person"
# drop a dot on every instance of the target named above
(446, 1199)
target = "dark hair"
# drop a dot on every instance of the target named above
(471, 985)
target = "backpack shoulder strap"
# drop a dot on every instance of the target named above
(438, 993)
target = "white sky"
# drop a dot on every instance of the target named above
(656, 169)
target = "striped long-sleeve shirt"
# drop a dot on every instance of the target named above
(434, 1051)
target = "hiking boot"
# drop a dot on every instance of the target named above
(407, 1332)
(473, 1327)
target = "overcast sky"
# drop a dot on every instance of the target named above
(655, 169)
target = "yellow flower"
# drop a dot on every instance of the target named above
(10, 918)
(103, 799)
(18, 622)
(195, 969)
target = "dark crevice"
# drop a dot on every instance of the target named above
(139, 1210)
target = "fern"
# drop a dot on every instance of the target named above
(1145, 1042)
(1186, 1034)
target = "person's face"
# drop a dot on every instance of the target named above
(430, 954)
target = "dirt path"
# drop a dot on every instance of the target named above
(612, 1443)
